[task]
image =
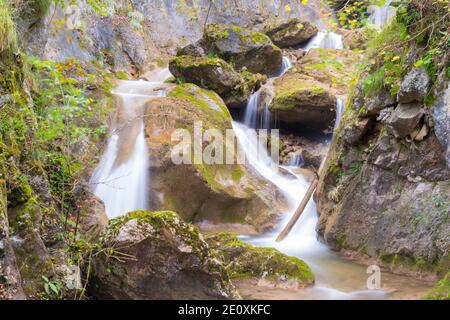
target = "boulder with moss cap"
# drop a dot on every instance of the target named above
(243, 48)
(206, 190)
(215, 74)
(265, 266)
(290, 32)
(155, 255)
(301, 100)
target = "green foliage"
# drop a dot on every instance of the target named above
(64, 111)
(52, 289)
(8, 37)
(441, 291)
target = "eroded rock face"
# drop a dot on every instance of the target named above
(303, 101)
(291, 32)
(265, 266)
(385, 191)
(414, 86)
(155, 255)
(202, 190)
(217, 75)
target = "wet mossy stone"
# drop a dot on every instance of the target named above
(244, 261)
(217, 75)
(291, 32)
(242, 48)
(155, 255)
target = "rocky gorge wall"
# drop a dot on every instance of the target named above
(385, 191)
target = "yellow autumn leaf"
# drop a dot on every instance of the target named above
(304, 2)
(396, 58)
(287, 8)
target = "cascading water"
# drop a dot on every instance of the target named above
(336, 278)
(340, 105)
(257, 114)
(121, 178)
(326, 40)
(379, 16)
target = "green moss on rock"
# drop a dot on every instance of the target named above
(244, 261)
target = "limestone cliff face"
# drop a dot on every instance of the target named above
(135, 36)
(385, 192)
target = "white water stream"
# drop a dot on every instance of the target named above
(379, 16)
(121, 178)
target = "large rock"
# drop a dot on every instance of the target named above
(217, 75)
(155, 255)
(303, 101)
(213, 191)
(404, 119)
(265, 266)
(335, 68)
(414, 86)
(243, 48)
(291, 32)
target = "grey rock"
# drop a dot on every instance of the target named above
(414, 86)
(404, 119)
(291, 32)
(441, 119)
(354, 133)
(162, 258)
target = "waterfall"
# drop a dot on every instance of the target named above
(257, 114)
(340, 106)
(326, 40)
(379, 16)
(296, 160)
(121, 178)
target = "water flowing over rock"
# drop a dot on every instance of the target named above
(291, 32)
(155, 255)
(202, 190)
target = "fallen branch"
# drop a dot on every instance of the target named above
(299, 210)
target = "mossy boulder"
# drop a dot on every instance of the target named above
(332, 67)
(246, 262)
(441, 291)
(217, 75)
(290, 32)
(243, 48)
(155, 255)
(301, 100)
(202, 190)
